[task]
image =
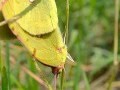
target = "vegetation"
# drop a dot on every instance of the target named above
(90, 43)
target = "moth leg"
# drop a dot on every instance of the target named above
(55, 71)
(2, 2)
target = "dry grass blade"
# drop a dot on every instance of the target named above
(30, 73)
(55, 82)
(9, 20)
(40, 81)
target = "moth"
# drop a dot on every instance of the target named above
(38, 30)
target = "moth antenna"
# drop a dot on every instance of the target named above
(69, 57)
(70, 60)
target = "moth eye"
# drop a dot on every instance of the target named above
(31, 1)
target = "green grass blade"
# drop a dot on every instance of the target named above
(67, 22)
(0, 59)
(86, 81)
(32, 84)
(62, 80)
(4, 79)
(8, 62)
(17, 83)
(77, 77)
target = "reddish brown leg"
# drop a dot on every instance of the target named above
(55, 71)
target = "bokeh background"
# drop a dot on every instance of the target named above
(91, 40)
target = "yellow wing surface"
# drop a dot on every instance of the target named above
(47, 48)
(40, 17)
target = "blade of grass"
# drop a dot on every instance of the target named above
(86, 81)
(0, 64)
(115, 62)
(114, 71)
(8, 63)
(4, 79)
(66, 40)
(116, 32)
(62, 80)
(0, 59)
(9, 20)
(13, 79)
(33, 85)
(67, 21)
(26, 70)
(77, 77)
(92, 7)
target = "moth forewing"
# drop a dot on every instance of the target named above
(49, 47)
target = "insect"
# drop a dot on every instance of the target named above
(5, 32)
(37, 28)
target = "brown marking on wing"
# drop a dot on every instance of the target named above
(34, 52)
(60, 49)
(13, 31)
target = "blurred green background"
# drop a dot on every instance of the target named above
(91, 32)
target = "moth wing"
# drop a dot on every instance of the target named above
(39, 17)
(44, 49)
(48, 49)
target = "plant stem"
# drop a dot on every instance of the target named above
(116, 33)
(55, 81)
(8, 63)
(67, 21)
(62, 79)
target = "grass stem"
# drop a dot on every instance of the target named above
(8, 63)
(116, 33)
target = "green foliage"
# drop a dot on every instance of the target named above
(4, 79)
(91, 28)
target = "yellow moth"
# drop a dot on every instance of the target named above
(37, 28)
